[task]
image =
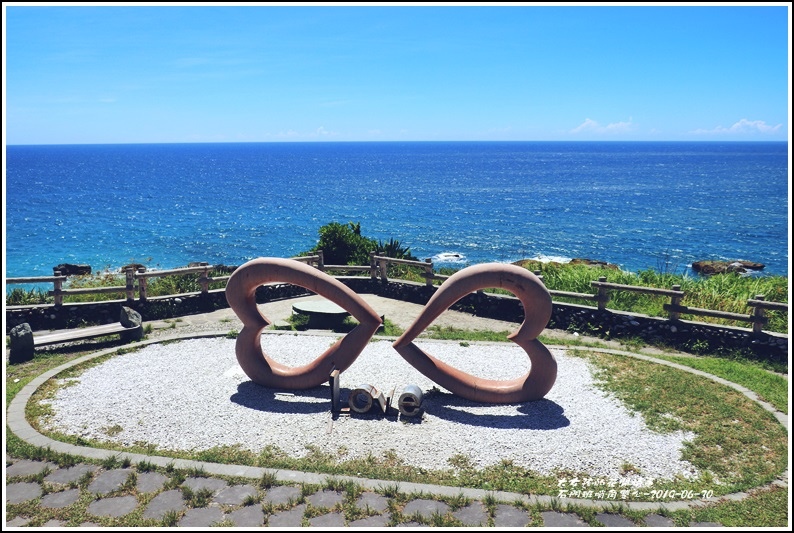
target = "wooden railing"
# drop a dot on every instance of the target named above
(378, 268)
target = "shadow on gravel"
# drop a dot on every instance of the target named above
(253, 396)
(540, 414)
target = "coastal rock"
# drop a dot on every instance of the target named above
(21, 343)
(593, 263)
(224, 269)
(534, 264)
(708, 268)
(68, 269)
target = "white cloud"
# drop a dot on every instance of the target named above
(743, 126)
(322, 132)
(591, 126)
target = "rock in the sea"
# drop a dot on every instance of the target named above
(68, 269)
(708, 268)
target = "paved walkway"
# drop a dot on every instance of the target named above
(195, 494)
(168, 498)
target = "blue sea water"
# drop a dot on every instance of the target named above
(641, 205)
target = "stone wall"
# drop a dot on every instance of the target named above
(694, 337)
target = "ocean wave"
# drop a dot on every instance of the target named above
(551, 258)
(449, 257)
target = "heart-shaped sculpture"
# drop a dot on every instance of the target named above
(537, 311)
(241, 295)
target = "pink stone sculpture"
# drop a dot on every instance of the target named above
(241, 295)
(535, 298)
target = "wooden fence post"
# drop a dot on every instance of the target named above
(384, 266)
(603, 297)
(57, 285)
(675, 301)
(142, 284)
(428, 273)
(130, 274)
(758, 315)
(204, 280)
(320, 260)
(373, 266)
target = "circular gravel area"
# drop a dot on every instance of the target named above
(192, 395)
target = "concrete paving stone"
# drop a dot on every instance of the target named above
(19, 521)
(409, 524)
(555, 519)
(325, 498)
(26, 467)
(110, 480)
(53, 523)
(56, 500)
(235, 495)
(474, 514)
(22, 492)
(378, 520)
(655, 520)
(201, 517)
(89, 524)
(113, 506)
(328, 520)
(425, 508)
(614, 520)
(250, 516)
(282, 495)
(150, 481)
(510, 516)
(197, 483)
(373, 501)
(291, 518)
(70, 475)
(170, 500)
(704, 524)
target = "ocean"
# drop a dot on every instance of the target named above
(640, 205)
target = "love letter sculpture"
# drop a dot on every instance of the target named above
(241, 295)
(536, 300)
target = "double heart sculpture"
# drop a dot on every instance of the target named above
(535, 298)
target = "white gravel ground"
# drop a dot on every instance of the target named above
(192, 395)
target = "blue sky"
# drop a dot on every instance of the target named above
(122, 73)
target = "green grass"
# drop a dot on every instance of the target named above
(738, 445)
(770, 387)
(724, 292)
